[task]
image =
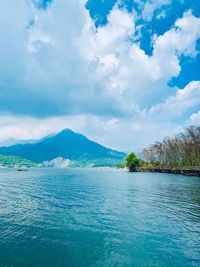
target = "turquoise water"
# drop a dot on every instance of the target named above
(98, 218)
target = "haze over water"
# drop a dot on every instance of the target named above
(98, 218)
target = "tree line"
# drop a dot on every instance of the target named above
(15, 161)
(180, 151)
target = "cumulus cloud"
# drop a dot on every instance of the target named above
(59, 70)
(175, 106)
(65, 65)
(150, 6)
(194, 119)
(126, 72)
(180, 40)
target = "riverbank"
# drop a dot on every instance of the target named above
(184, 171)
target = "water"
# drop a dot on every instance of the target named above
(98, 218)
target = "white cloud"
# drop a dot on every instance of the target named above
(194, 119)
(27, 127)
(180, 40)
(123, 69)
(175, 106)
(71, 67)
(93, 80)
(150, 6)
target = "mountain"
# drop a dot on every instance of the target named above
(12, 141)
(68, 145)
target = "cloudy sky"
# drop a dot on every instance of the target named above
(125, 73)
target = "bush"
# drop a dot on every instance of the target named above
(132, 161)
(120, 165)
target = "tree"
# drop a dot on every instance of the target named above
(120, 165)
(132, 161)
(181, 151)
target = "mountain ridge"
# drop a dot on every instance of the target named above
(66, 144)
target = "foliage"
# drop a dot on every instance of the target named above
(182, 150)
(15, 161)
(120, 165)
(132, 161)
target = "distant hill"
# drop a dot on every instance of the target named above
(68, 145)
(12, 141)
(14, 161)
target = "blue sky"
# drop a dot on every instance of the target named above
(125, 73)
(99, 10)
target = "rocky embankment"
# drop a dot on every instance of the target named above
(184, 171)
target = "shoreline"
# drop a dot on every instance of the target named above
(183, 171)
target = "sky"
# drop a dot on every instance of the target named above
(125, 73)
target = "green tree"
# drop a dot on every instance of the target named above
(120, 165)
(15, 161)
(132, 161)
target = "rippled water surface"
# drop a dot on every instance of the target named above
(98, 218)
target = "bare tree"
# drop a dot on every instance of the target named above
(182, 150)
